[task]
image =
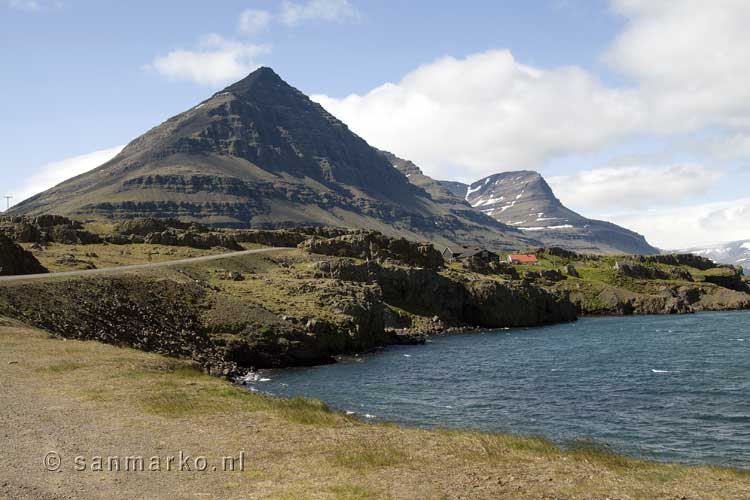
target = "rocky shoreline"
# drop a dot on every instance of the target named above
(340, 293)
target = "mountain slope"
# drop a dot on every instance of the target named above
(261, 154)
(524, 200)
(736, 253)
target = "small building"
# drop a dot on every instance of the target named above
(454, 254)
(522, 259)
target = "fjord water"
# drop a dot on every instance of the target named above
(671, 388)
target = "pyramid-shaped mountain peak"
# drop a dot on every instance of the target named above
(260, 153)
(263, 77)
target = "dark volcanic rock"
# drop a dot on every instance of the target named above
(46, 229)
(688, 259)
(15, 260)
(637, 271)
(170, 232)
(733, 279)
(372, 245)
(152, 315)
(487, 303)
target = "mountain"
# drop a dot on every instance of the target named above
(736, 253)
(524, 200)
(260, 153)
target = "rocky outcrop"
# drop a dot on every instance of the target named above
(182, 238)
(494, 304)
(732, 278)
(45, 229)
(688, 259)
(170, 232)
(253, 337)
(637, 271)
(476, 264)
(454, 299)
(15, 260)
(372, 245)
(675, 299)
(571, 271)
(152, 315)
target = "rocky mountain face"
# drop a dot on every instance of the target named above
(736, 253)
(261, 154)
(525, 201)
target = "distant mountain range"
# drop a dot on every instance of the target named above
(524, 200)
(736, 253)
(261, 154)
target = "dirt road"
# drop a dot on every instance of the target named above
(134, 267)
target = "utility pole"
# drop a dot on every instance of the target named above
(7, 202)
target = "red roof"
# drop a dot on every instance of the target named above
(524, 258)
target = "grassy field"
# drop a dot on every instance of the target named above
(88, 399)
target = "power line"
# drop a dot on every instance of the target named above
(7, 202)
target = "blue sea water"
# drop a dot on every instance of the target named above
(670, 388)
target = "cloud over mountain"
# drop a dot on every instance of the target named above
(685, 64)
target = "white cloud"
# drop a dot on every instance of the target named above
(691, 226)
(689, 60)
(293, 14)
(254, 21)
(467, 118)
(486, 113)
(52, 174)
(634, 187)
(217, 61)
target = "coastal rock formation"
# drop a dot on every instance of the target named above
(15, 260)
(454, 299)
(733, 279)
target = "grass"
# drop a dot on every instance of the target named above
(371, 453)
(496, 446)
(176, 389)
(62, 367)
(107, 255)
(601, 454)
(298, 448)
(351, 492)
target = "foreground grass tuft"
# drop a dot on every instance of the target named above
(370, 454)
(601, 454)
(351, 492)
(62, 367)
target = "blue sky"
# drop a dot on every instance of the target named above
(575, 89)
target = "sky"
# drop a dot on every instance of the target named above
(636, 111)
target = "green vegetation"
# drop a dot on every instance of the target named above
(645, 286)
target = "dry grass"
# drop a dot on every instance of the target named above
(115, 400)
(106, 255)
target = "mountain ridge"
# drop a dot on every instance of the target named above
(736, 253)
(524, 200)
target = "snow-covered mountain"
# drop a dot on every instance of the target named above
(736, 253)
(525, 201)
